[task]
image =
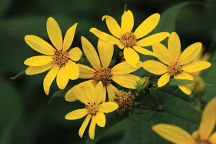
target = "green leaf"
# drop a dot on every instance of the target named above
(174, 82)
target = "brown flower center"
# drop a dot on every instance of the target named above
(104, 75)
(60, 57)
(175, 69)
(125, 101)
(92, 108)
(202, 142)
(128, 39)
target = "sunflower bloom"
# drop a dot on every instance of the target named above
(60, 62)
(174, 63)
(94, 109)
(177, 135)
(131, 42)
(120, 73)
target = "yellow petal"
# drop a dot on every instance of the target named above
(90, 53)
(123, 68)
(38, 69)
(101, 92)
(38, 60)
(196, 66)
(173, 134)
(147, 25)
(208, 120)
(127, 21)
(72, 70)
(127, 80)
(103, 36)
(162, 53)
(112, 25)
(185, 89)
(49, 78)
(184, 75)
(108, 107)
(174, 46)
(155, 38)
(155, 67)
(91, 93)
(62, 78)
(84, 125)
(131, 56)
(75, 54)
(100, 119)
(190, 53)
(76, 114)
(54, 33)
(105, 50)
(112, 91)
(92, 128)
(39, 45)
(196, 134)
(212, 139)
(163, 80)
(69, 36)
(86, 72)
(143, 50)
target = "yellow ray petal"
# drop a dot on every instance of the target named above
(123, 68)
(127, 21)
(174, 46)
(108, 107)
(72, 70)
(112, 25)
(69, 36)
(75, 54)
(155, 67)
(190, 53)
(163, 80)
(100, 119)
(105, 50)
(112, 91)
(173, 134)
(62, 78)
(185, 89)
(147, 25)
(49, 78)
(84, 125)
(86, 72)
(196, 134)
(39, 45)
(131, 56)
(127, 80)
(150, 40)
(54, 33)
(196, 66)
(101, 92)
(208, 120)
(90, 53)
(103, 36)
(162, 53)
(92, 128)
(184, 75)
(38, 60)
(90, 91)
(143, 50)
(212, 139)
(38, 69)
(76, 114)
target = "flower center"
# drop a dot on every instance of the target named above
(175, 69)
(124, 100)
(202, 142)
(92, 108)
(128, 39)
(104, 75)
(60, 57)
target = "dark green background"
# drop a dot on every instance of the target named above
(26, 117)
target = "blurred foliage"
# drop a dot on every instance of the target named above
(30, 117)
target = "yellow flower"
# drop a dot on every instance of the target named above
(128, 40)
(94, 109)
(177, 135)
(178, 65)
(120, 73)
(58, 60)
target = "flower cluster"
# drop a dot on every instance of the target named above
(99, 93)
